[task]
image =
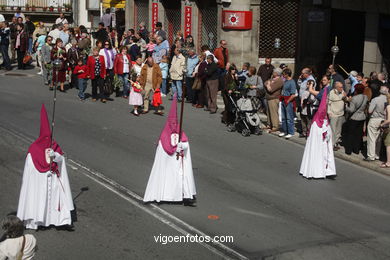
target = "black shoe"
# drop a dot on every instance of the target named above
(189, 202)
(331, 177)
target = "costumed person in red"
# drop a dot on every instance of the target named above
(157, 100)
(318, 158)
(171, 178)
(45, 197)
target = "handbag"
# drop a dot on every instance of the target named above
(260, 93)
(27, 58)
(197, 84)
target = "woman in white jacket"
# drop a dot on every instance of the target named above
(176, 71)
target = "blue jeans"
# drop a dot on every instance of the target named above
(82, 83)
(123, 77)
(177, 88)
(288, 118)
(164, 86)
(30, 43)
(4, 53)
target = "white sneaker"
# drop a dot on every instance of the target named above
(288, 136)
(39, 73)
(163, 95)
(282, 134)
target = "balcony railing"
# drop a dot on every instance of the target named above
(37, 5)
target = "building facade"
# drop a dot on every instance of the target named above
(297, 32)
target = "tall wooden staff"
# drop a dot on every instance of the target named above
(182, 103)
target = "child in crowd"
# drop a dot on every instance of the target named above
(135, 97)
(164, 71)
(81, 71)
(150, 47)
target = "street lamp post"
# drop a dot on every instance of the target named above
(335, 49)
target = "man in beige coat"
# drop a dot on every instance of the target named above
(176, 71)
(151, 79)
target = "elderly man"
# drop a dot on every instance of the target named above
(336, 112)
(151, 79)
(159, 50)
(273, 91)
(176, 71)
(377, 112)
(222, 54)
(192, 61)
(55, 32)
(46, 60)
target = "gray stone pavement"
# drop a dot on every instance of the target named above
(252, 184)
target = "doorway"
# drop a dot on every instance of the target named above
(349, 27)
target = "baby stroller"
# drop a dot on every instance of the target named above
(247, 120)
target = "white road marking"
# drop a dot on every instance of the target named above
(151, 209)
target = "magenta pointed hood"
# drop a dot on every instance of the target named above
(37, 148)
(322, 114)
(171, 127)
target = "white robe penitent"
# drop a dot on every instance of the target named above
(318, 158)
(45, 199)
(170, 179)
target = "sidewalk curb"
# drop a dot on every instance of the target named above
(340, 155)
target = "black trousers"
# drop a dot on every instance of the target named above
(4, 53)
(228, 116)
(97, 82)
(20, 56)
(353, 136)
(110, 79)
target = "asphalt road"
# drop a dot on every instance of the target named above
(251, 184)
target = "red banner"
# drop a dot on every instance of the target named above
(187, 21)
(154, 16)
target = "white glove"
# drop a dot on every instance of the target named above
(52, 154)
(179, 147)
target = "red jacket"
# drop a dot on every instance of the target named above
(91, 67)
(219, 55)
(118, 63)
(81, 75)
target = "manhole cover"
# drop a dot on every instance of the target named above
(16, 74)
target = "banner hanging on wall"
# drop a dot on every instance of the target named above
(154, 16)
(187, 21)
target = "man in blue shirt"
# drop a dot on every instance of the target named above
(289, 93)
